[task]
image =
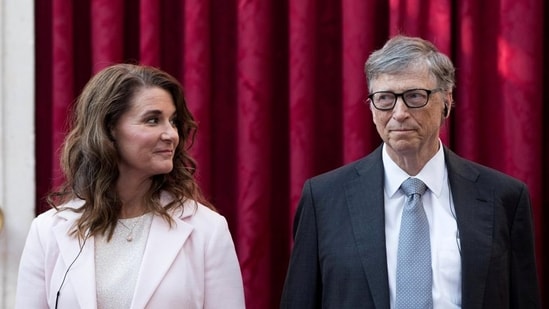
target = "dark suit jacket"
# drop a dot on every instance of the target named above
(339, 256)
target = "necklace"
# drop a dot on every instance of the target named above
(129, 236)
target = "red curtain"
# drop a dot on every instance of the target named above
(278, 88)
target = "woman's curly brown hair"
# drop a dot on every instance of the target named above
(89, 159)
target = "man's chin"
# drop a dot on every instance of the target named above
(402, 147)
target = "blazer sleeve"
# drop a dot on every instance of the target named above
(223, 279)
(524, 282)
(302, 287)
(31, 281)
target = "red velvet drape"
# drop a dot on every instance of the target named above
(278, 88)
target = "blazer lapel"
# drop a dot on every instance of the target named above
(81, 275)
(365, 201)
(474, 207)
(166, 241)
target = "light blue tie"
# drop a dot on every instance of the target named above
(414, 273)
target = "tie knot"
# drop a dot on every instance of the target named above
(413, 186)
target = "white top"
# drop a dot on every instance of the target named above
(117, 262)
(438, 204)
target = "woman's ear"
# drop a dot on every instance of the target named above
(112, 134)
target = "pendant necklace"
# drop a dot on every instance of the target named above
(129, 236)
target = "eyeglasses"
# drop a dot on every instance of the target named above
(413, 98)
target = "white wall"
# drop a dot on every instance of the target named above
(17, 180)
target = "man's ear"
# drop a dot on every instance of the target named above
(447, 105)
(372, 110)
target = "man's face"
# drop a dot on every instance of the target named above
(410, 132)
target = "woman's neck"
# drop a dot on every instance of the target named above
(132, 194)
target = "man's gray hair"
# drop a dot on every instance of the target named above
(402, 52)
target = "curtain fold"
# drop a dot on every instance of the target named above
(63, 83)
(359, 38)
(197, 64)
(253, 178)
(278, 89)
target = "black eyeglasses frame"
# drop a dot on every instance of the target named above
(397, 95)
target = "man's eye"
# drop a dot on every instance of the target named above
(415, 95)
(385, 97)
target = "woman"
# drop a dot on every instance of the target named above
(129, 228)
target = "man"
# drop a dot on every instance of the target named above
(478, 247)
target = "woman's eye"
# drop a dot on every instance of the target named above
(152, 121)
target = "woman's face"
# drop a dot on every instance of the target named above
(146, 135)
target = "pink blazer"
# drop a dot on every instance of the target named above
(191, 265)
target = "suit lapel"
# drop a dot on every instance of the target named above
(474, 207)
(163, 246)
(365, 201)
(81, 275)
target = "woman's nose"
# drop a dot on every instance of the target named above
(170, 133)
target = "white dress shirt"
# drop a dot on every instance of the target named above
(438, 204)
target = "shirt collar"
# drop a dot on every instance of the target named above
(432, 174)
